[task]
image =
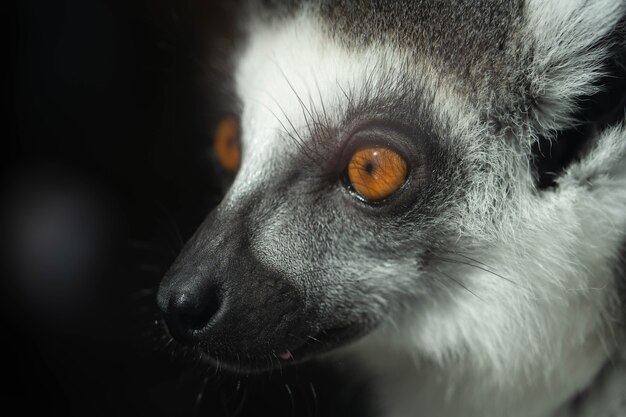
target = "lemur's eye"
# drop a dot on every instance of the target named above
(376, 172)
(226, 144)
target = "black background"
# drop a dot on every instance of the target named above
(109, 104)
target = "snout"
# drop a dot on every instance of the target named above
(242, 306)
(242, 311)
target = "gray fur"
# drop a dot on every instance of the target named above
(469, 292)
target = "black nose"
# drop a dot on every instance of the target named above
(189, 311)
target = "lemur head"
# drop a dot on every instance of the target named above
(390, 191)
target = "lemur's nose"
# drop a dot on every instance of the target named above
(188, 310)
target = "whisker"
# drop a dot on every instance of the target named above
(200, 395)
(475, 266)
(298, 141)
(459, 283)
(293, 405)
(469, 258)
(304, 107)
(315, 401)
(306, 113)
(346, 95)
(242, 401)
(319, 93)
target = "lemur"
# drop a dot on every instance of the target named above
(432, 192)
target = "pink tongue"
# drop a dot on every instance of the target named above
(284, 356)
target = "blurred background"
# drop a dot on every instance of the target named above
(106, 172)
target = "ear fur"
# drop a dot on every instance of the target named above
(569, 44)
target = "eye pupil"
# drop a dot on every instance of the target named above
(376, 172)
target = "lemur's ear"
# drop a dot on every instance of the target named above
(576, 77)
(571, 42)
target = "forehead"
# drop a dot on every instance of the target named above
(448, 66)
(295, 75)
(474, 39)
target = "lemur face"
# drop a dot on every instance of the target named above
(385, 196)
(309, 249)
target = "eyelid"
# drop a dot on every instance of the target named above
(376, 133)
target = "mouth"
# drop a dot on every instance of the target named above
(310, 346)
(321, 342)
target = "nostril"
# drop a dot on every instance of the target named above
(196, 314)
(191, 311)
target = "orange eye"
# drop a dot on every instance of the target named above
(377, 172)
(226, 144)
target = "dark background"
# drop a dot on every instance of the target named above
(106, 172)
